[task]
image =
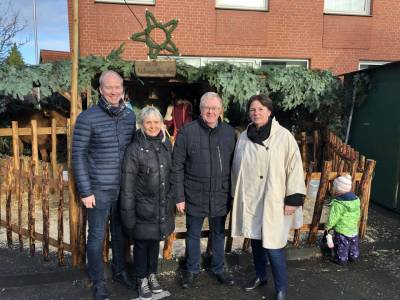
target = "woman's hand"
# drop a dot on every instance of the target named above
(289, 210)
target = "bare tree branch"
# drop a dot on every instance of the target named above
(10, 24)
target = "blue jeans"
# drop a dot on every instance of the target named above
(107, 205)
(278, 264)
(217, 228)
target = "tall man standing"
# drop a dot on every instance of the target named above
(202, 161)
(100, 137)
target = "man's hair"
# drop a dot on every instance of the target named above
(148, 111)
(263, 99)
(210, 95)
(108, 73)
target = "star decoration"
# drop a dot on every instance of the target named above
(155, 48)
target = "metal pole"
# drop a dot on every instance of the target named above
(35, 32)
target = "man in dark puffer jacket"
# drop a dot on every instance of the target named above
(202, 160)
(101, 135)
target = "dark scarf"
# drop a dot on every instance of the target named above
(261, 134)
(111, 110)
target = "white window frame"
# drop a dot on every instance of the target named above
(142, 2)
(201, 61)
(242, 5)
(371, 63)
(286, 60)
(365, 12)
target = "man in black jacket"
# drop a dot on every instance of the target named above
(201, 170)
(101, 135)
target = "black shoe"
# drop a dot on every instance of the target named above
(339, 262)
(155, 287)
(99, 291)
(123, 278)
(280, 295)
(188, 280)
(144, 289)
(254, 284)
(225, 280)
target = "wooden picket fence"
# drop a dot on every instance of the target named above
(30, 180)
(325, 157)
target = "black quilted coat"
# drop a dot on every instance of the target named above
(146, 207)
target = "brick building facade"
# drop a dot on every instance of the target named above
(315, 33)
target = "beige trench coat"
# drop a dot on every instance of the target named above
(261, 178)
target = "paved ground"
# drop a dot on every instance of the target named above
(375, 276)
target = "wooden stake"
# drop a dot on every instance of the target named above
(246, 245)
(60, 215)
(53, 156)
(45, 211)
(15, 144)
(82, 235)
(35, 147)
(319, 203)
(106, 243)
(365, 188)
(168, 246)
(19, 197)
(229, 239)
(9, 186)
(31, 207)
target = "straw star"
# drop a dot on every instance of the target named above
(145, 36)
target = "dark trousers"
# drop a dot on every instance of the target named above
(217, 228)
(106, 206)
(145, 257)
(278, 264)
(346, 248)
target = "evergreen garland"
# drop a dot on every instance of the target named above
(315, 91)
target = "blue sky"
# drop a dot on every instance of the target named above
(52, 22)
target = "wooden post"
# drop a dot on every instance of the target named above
(246, 245)
(10, 170)
(60, 215)
(229, 239)
(31, 207)
(19, 199)
(15, 144)
(106, 243)
(88, 97)
(35, 147)
(323, 186)
(53, 156)
(73, 201)
(365, 187)
(82, 235)
(45, 211)
(303, 148)
(169, 245)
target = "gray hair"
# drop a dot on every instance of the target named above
(148, 111)
(210, 95)
(108, 73)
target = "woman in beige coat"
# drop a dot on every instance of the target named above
(268, 189)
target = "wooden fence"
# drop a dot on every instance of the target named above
(31, 180)
(325, 157)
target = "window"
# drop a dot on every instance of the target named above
(240, 4)
(366, 64)
(151, 2)
(285, 63)
(348, 7)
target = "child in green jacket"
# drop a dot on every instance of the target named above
(344, 217)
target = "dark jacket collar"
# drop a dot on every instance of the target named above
(204, 125)
(346, 197)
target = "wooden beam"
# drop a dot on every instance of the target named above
(28, 131)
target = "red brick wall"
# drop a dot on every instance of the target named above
(290, 29)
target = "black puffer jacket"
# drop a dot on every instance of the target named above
(98, 146)
(146, 206)
(202, 161)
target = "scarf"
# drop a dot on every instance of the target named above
(111, 110)
(261, 134)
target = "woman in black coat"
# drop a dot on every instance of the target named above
(146, 208)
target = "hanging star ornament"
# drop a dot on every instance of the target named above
(145, 36)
